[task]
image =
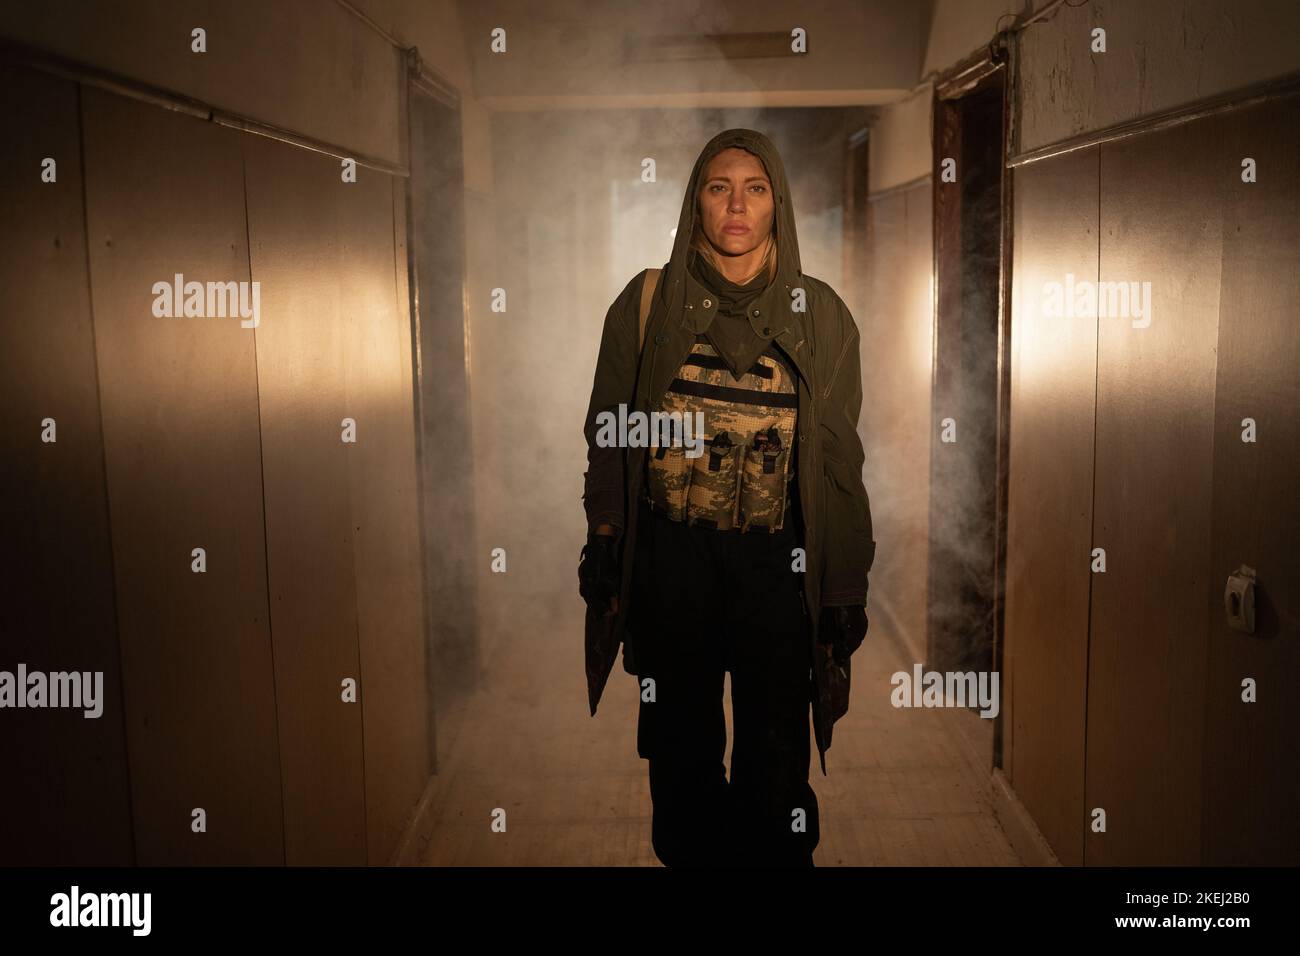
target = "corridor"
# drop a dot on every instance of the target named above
(309, 313)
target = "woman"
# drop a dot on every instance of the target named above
(747, 554)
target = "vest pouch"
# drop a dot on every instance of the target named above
(712, 500)
(763, 487)
(668, 477)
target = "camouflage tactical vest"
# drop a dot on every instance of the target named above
(740, 480)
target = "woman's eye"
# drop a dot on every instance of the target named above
(715, 187)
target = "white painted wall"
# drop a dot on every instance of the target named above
(899, 146)
(959, 27)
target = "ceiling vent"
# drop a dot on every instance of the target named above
(707, 46)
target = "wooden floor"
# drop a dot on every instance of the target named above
(905, 787)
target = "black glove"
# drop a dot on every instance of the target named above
(599, 579)
(843, 628)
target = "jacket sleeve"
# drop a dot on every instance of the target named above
(850, 546)
(614, 384)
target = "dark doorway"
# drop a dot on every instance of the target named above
(966, 539)
(437, 282)
(856, 220)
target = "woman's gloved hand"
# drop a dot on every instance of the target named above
(599, 579)
(843, 628)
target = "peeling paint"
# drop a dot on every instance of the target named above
(1161, 54)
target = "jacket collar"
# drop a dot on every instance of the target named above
(769, 316)
(702, 305)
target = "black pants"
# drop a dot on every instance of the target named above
(705, 602)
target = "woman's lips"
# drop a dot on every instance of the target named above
(735, 228)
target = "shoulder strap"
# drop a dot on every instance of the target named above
(648, 285)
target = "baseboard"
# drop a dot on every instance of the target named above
(417, 832)
(1026, 839)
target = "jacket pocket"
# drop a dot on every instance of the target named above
(667, 480)
(843, 486)
(850, 546)
(712, 500)
(763, 488)
(834, 470)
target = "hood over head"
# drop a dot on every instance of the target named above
(789, 272)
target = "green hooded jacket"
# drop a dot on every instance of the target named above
(810, 322)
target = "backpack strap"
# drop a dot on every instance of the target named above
(648, 285)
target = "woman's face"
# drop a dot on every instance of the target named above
(735, 202)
